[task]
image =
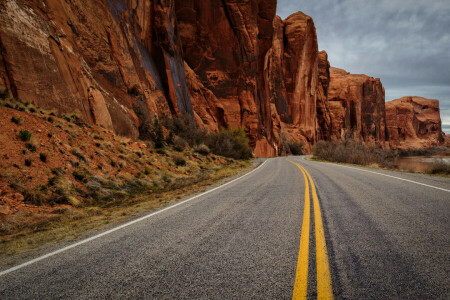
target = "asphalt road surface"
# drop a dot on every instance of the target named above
(377, 235)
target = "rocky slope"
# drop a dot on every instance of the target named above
(414, 122)
(357, 107)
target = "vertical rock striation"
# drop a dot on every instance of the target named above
(414, 122)
(357, 107)
(225, 44)
(115, 61)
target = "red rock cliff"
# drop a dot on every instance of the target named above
(119, 62)
(297, 78)
(225, 44)
(116, 62)
(357, 107)
(414, 122)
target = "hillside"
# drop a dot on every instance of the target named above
(56, 168)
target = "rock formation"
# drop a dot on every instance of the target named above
(323, 112)
(297, 78)
(113, 61)
(414, 122)
(357, 107)
(225, 63)
(225, 44)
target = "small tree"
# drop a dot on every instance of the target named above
(158, 134)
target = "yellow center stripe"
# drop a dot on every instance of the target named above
(324, 287)
(301, 274)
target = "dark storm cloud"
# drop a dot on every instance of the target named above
(406, 43)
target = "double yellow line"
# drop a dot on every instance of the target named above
(324, 288)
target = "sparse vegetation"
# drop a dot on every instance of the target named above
(25, 135)
(229, 142)
(120, 176)
(295, 147)
(179, 160)
(16, 120)
(28, 162)
(77, 152)
(354, 152)
(4, 93)
(43, 157)
(440, 167)
(202, 149)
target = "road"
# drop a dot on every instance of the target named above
(381, 234)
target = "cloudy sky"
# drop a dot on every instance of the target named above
(406, 43)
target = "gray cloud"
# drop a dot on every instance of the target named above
(406, 43)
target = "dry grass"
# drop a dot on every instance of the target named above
(79, 177)
(68, 224)
(353, 152)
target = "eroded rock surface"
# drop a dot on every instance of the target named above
(357, 107)
(414, 122)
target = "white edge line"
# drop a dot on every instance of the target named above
(431, 186)
(121, 226)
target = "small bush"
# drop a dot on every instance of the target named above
(43, 157)
(179, 144)
(202, 149)
(232, 143)
(16, 120)
(28, 162)
(161, 151)
(77, 152)
(354, 152)
(81, 175)
(63, 190)
(25, 135)
(35, 196)
(31, 145)
(179, 161)
(296, 148)
(440, 167)
(4, 93)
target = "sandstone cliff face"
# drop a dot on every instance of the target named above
(297, 78)
(114, 61)
(414, 122)
(324, 121)
(225, 44)
(225, 63)
(357, 107)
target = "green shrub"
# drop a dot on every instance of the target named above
(16, 120)
(25, 135)
(232, 143)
